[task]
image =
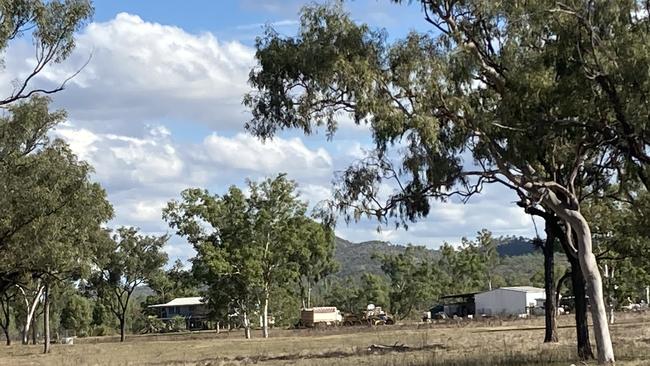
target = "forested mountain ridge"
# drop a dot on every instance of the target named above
(519, 260)
(357, 258)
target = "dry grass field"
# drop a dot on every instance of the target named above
(476, 343)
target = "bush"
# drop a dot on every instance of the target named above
(151, 324)
(176, 324)
(102, 330)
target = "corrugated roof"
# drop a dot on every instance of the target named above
(522, 289)
(181, 301)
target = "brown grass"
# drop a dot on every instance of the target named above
(462, 344)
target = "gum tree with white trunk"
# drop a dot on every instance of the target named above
(545, 98)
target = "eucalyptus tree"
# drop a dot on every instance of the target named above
(316, 258)
(50, 207)
(545, 98)
(62, 246)
(52, 26)
(171, 283)
(124, 261)
(247, 244)
(225, 260)
(414, 281)
(465, 265)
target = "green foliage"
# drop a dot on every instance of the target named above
(415, 282)
(123, 262)
(622, 237)
(316, 258)
(467, 266)
(252, 244)
(176, 324)
(76, 314)
(52, 26)
(49, 207)
(170, 284)
(344, 294)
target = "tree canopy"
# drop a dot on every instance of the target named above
(248, 244)
(545, 98)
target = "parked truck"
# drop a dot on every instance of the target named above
(373, 315)
(320, 317)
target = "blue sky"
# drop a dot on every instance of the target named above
(241, 19)
(158, 110)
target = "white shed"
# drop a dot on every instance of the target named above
(508, 300)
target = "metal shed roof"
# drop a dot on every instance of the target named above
(181, 301)
(522, 289)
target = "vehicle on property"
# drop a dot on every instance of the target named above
(322, 316)
(373, 315)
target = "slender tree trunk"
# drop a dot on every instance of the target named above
(558, 288)
(7, 336)
(572, 216)
(265, 315)
(580, 304)
(609, 274)
(6, 312)
(122, 327)
(582, 327)
(550, 310)
(34, 324)
(309, 294)
(46, 320)
(247, 326)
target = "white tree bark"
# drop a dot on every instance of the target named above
(591, 273)
(247, 326)
(265, 316)
(31, 303)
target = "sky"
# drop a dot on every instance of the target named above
(158, 109)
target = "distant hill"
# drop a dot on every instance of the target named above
(356, 258)
(511, 246)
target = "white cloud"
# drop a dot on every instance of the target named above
(279, 23)
(144, 71)
(278, 155)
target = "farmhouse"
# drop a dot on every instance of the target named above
(508, 300)
(193, 309)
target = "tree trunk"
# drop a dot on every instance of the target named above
(122, 327)
(265, 316)
(247, 326)
(609, 274)
(580, 304)
(6, 312)
(7, 337)
(31, 309)
(46, 320)
(34, 330)
(309, 294)
(590, 271)
(218, 328)
(582, 327)
(594, 283)
(550, 311)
